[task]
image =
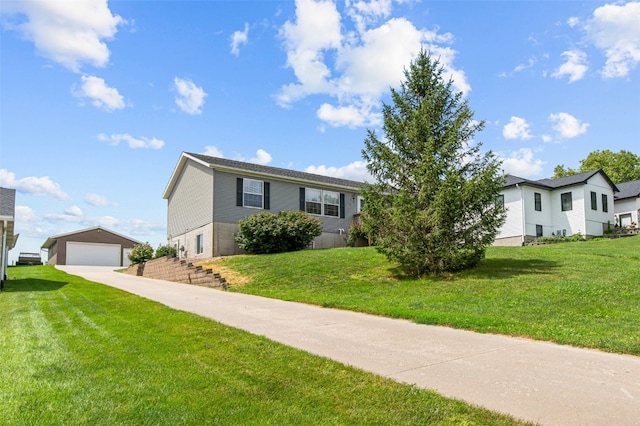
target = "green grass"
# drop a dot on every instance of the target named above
(76, 352)
(584, 294)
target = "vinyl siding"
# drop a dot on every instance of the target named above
(284, 196)
(190, 204)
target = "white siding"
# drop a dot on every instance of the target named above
(596, 220)
(513, 204)
(628, 206)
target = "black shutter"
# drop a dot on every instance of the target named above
(341, 206)
(302, 200)
(239, 191)
(267, 197)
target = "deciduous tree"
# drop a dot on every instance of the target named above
(623, 166)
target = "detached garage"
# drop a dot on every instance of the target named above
(94, 246)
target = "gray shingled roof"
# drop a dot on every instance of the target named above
(628, 190)
(275, 171)
(559, 182)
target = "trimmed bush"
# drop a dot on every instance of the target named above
(140, 253)
(356, 233)
(276, 233)
(165, 251)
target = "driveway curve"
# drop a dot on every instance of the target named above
(535, 381)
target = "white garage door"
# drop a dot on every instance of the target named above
(93, 254)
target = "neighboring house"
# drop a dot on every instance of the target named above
(579, 204)
(7, 221)
(627, 203)
(94, 246)
(207, 196)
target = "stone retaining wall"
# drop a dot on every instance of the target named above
(176, 270)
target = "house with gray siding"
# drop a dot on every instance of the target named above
(207, 197)
(579, 204)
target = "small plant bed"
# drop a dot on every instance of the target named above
(77, 352)
(584, 294)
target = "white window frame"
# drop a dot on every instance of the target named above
(248, 190)
(315, 202)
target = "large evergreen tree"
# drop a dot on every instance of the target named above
(433, 208)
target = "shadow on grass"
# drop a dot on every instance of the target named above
(509, 267)
(495, 268)
(32, 284)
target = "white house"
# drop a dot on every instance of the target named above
(627, 203)
(579, 204)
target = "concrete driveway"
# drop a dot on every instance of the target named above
(535, 381)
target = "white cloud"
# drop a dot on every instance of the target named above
(614, 29)
(350, 116)
(262, 157)
(573, 21)
(32, 185)
(522, 163)
(575, 66)
(212, 151)
(25, 214)
(356, 68)
(239, 38)
(133, 143)
(68, 32)
(355, 171)
(74, 211)
(101, 95)
(98, 200)
(567, 125)
(190, 98)
(517, 128)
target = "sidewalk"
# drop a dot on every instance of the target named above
(535, 381)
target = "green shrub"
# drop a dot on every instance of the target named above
(165, 251)
(356, 232)
(275, 233)
(141, 253)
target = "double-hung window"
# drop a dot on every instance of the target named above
(331, 203)
(605, 203)
(537, 199)
(313, 201)
(252, 193)
(594, 201)
(321, 202)
(566, 201)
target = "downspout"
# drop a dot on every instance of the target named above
(522, 213)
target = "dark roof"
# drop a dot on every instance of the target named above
(275, 171)
(51, 240)
(562, 182)
(628, 190)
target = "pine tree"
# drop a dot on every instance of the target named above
(433, 207)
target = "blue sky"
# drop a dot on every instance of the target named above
(98, 99)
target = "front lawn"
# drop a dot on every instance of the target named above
(584, 294)
(77, 352)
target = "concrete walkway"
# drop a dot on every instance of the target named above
(535, 381)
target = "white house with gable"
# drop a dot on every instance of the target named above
(579, 204)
